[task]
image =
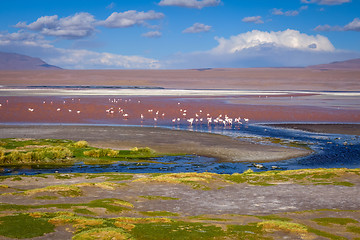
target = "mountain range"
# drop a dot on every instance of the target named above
(14, 61)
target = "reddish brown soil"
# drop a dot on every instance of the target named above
(241, 78)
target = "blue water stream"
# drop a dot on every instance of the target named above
(329, 151)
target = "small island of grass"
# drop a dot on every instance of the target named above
(58, 151)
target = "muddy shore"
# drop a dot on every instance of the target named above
(162, 140)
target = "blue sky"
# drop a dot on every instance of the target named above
(102, 34)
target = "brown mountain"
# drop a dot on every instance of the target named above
(349, 64)
(14, 61)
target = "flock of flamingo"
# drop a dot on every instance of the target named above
(199, 117)
(118, 108)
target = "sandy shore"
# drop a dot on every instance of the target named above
(162, 140)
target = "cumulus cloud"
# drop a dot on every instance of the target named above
(352, 26)
(22, 38)
(152, 34)
(129, 18)
(197, 28)
(263, 49)
(326, 2)
(199, 4)
(290, 39)
(77, 26)
(34, 44)
(254, 19)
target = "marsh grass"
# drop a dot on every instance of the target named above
(353, 229)
(325, 234)
(103, 234)
(35, 224)
(56, 151)
(111, 205)
(84, 211)
(159, 213)
(303, 176)
(176, 230)
(24, 226)
(63, 190)
(149, 197)
(46, 197)
(329, 221)
(285, 226)
(195, 180)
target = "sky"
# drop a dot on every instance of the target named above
(178, 34)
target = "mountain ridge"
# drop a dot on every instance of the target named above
(347, 64)
(15, 61)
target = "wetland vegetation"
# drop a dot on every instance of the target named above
(58, 151)
(152, 205)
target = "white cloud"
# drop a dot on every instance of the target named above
(277, 11)
(111, 5)
(352, 26)
(77, 26)
(197, 28)
(84, 59)
(22, 38)
(326, 2)
(35, 45)
(129, 18)
(254, 19)
(290, 39)
(263, 49)
(199, 4)
(152, 34)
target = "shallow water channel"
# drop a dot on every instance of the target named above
(329, 151)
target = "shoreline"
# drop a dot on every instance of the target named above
(331, 128)
(162, 140)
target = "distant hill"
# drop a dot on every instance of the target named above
(349, 64)
(14, 61)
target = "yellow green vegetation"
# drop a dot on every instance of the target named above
(56, 151)
(39, 223)
(103, 185)
(276, 225)
(103, 234)
(159, 213)
(81, 144)
(158, 198)
(196, 180)
(64, 190)
(329, 221)
(303, 176)
(207, 181)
